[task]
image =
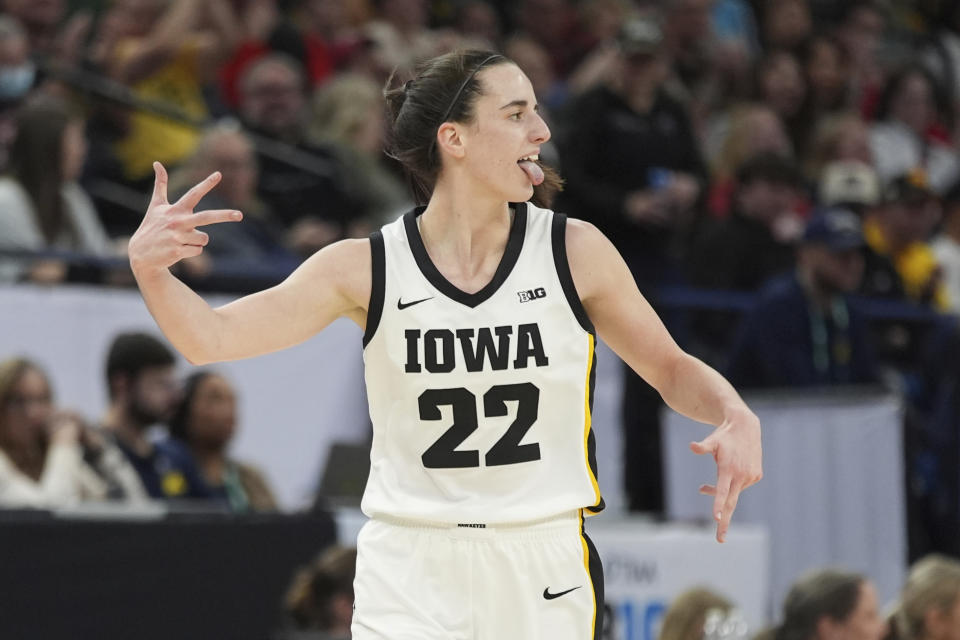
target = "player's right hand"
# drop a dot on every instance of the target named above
(169, 232)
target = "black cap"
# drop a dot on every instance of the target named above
(839, 229)
(640, 35)
(912, 186)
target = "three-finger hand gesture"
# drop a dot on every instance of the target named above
(735, 446)
(169, 232)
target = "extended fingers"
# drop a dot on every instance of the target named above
(159, 184)
(214, 216)
(191, 198)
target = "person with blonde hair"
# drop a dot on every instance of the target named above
(685, 618)
(929, 607)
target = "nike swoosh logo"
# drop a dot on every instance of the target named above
(403, 305)
(550, 596)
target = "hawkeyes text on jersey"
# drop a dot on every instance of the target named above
(481, 402)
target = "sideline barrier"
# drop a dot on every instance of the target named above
(186, 576)
(833, 485)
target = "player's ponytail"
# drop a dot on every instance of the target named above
(443, 89)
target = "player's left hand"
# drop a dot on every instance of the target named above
(736, 448)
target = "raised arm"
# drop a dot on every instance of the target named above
(626, 322)
(334, 282)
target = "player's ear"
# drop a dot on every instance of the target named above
(449, 139)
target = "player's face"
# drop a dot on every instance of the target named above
(506, 129)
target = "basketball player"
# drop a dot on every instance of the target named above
(481, 312)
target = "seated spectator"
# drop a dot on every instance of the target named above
(686, 615)
(348, 117)
(747, 130)
(828, 604)
(898, 234)
(205, 420)
(49, 457)
(745, 250)
(804, 331)
(41, 204)
(782, 87)
(227, 149)
(842, 136)
(946, 248)
(910, 130)
(143, 393)
(319, 602)
(18, 73)
(929, 606)
(299, 181)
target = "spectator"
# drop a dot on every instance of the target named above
(804, 331)
(348, 119)
(632, 163)
(554, 26)
(41, 204)
(842, 136)
(860, 27)
(478, 19)
(18, 73)
(929, 606)
(826, 70)
(300, 181)
(781, 86)
(784, 24)
(166, 52)
(946, 248)
(748, 248)
(910, 130)
(226, 148)
(748, 130)
(319, 602)
(942, 50)
(402, 34)
(898, 233)
(143, 393)
(685, 618)
(827, 604)
(49, 457)
(206, 420)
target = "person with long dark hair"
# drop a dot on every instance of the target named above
(481, 310)
(41, 204)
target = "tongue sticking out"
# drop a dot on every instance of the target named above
(533, 171)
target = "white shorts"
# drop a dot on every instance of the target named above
(428, 581)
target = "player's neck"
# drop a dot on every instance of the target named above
(463, 226)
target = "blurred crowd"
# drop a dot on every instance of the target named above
(781, 176)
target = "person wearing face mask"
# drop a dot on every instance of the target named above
(17, 72)
(41, 204)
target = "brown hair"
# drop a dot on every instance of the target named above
(443, 89)
(826, 592)
(35, 161)
(11, 372)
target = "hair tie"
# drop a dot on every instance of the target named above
(407, 86)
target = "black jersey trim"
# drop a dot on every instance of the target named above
(591, 438)
(511, 254)
(378, 260)
(558, 237)
(594, 567)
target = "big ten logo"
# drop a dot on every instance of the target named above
(532, 294)
(635, 619)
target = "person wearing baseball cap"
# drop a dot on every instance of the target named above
(899, 232)
(804, 331)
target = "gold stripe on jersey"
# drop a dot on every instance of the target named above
(588, 422)
(586, 566)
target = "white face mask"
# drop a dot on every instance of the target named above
(16, 81)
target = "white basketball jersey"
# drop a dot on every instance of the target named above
(480, 402)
